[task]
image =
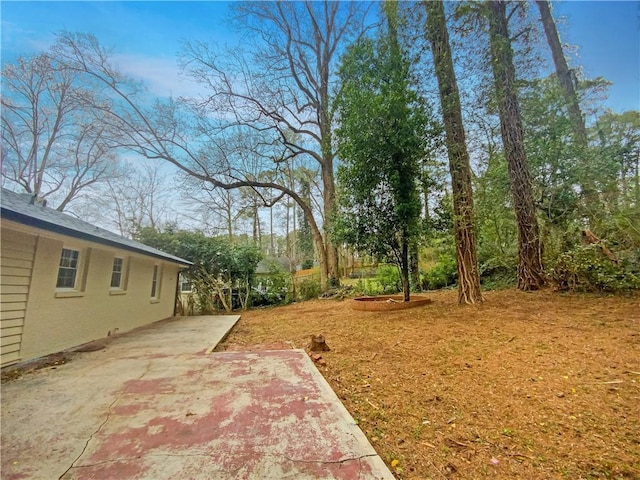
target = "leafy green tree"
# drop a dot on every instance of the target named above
(618, 144)
(559, 171)
(381, 139)
(497, 231)
(617, 149)
(568, 84)
(550, 149)
(219, 267)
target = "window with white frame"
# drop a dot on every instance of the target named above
(154, 282)
(68, 269)
(185, 284)
(117, 273)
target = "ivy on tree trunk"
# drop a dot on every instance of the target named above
(530, 271)
(468, 275)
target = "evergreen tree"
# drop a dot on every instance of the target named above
(381, 140)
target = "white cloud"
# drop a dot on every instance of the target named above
(160, 74)
(17, 41)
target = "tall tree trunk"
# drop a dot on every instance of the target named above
(259, 228)
(226, 206)
(322, 258)
(424, 183)
(328, 180)
(637, 180)
(563, 73)
(530, 271)
(468, 275)
(287, 236)
(254, 214)
(328, 183)
(294, 243)
(414, 265)
(404, 266)
(271, 244)
(566, 82)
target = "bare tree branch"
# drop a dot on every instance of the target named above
(49, 141)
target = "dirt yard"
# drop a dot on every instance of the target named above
(528, 385)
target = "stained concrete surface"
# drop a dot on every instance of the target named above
(155, 404)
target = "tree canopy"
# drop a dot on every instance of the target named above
(219, 268)
(381, 141)
(548, 181)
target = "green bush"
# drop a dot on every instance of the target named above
(498, 273)
(444, 274)
(389, 278)
(309, 289)
(368, 287)
(499, 280)
(272, 289)
(587, 269)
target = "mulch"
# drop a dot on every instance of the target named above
(527, 385)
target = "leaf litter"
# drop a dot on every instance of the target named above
(527, 385)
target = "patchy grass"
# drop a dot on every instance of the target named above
(528, 385)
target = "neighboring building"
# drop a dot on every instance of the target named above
(65, 282)
(187, 304)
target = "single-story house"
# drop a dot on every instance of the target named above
(65, 282)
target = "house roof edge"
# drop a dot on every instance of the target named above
(45, 218)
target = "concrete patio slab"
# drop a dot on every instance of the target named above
(155, 405)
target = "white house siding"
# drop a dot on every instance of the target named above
(16, 262)
(56, 320)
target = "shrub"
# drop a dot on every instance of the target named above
(586, 269)
(444, 274)
(498, 273)
(389, 278)
(369, 287)
(272, 289)
(309, 289)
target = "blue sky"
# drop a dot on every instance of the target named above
(147, 36)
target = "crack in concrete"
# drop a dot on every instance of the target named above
(328, 462)
(361, 469)
(332, 462)
(104, 422)
(121, 393)
(128, 459)
(205, 455)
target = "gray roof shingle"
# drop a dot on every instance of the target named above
(20, 208)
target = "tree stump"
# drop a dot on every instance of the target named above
(318, 344)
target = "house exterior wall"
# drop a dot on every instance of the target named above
(16, 258)
(57, 319)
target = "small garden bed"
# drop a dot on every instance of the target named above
(385, 303)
